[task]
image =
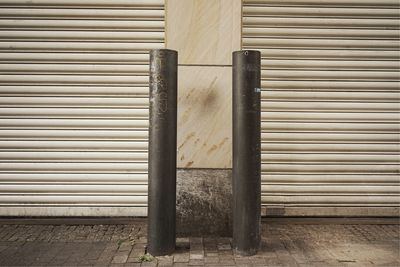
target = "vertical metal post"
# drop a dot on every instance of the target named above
(246, 151)
(162, 152)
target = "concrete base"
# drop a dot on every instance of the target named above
(204, 199)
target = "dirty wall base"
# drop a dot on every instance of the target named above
(204, 199)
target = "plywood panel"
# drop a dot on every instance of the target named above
(204, 117)
(203, 31)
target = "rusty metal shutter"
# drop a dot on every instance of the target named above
(330, 104)
(74, 105)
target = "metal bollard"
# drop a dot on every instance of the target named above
(162, 152)
(246, 151)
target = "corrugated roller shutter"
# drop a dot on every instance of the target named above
(330, 102)
(74, 105)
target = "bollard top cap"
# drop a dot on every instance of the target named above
(246, 52)
(163, 50)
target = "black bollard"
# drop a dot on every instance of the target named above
(246, 151)
(162, 152)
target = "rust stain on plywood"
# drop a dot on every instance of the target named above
(190, 163)
(186, 140)
(214, 147)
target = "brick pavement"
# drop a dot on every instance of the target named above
(284, 243)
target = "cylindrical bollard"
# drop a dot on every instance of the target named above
(162, 152)
(246, 151)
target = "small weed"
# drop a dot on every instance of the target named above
(146, 257)
(120, 242)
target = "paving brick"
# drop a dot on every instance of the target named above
(196, 262)
(196, 256)
(182, 244)
(137, 251)
(132, 264)
(165, 261)
(95, 250)
(226, 262)
(196, 243)
(149, 263)
(77, 253)
(219, 264)
(47, 234)
(63, 255)
(181, 256)
(27, 253)
(141, 239)
(49, 251)
(210, 244)
(107, 254)
(12, 235)
(214, 259)
(224, 246)
(257, 261)
(224, 243)
(125, 245)
(182, 240)
(196, 249)
(211, 254)
(242, 261)
(120, 257)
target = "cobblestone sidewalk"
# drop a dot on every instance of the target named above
(283, 244)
